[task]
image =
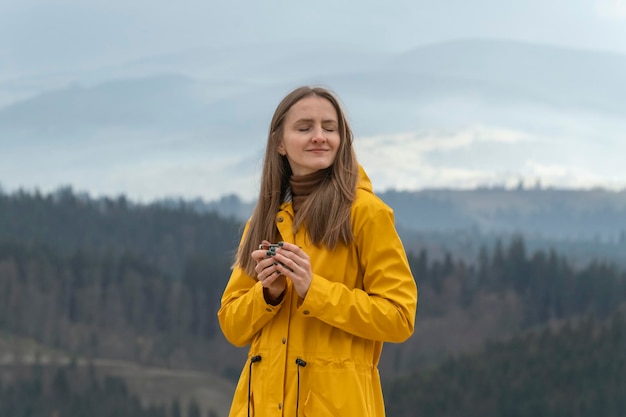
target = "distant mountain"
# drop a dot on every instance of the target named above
(453, 114)
(228, 206)
(249, 79)
(557, 77)
(584, 225)
(127, 102)
(561, 214)
(554, 213)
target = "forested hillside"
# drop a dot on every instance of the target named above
(505, 291)
(70, 222)
(97, 305)
(107, 278)
(71, 392)
(578, 371)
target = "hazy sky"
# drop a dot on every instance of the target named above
(39, 35)
(46, 45)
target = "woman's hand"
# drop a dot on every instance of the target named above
(295, 264)
(268, 273)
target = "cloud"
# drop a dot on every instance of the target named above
(485, 156)
(414, 144)
(410, 147)
(404, 160)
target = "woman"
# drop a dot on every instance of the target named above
(316, 307)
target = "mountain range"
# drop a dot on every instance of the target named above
(459, 114)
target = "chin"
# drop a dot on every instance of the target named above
(321, 167)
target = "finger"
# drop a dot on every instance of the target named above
(271, 278)
(256, 255)
(287, 267)
(283, 265)
(295, 253)
(261, 254)
(290, 259)
(266, 245)
(265, 264)
(264, 274)
(289, 246)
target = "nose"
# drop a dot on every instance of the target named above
(318, 134)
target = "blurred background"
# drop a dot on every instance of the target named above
(131, 141)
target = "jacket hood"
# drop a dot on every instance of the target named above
(364, 183)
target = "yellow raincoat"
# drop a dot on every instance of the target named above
(318, 356)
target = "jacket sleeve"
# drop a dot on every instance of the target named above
(243, 310)
(384, 309)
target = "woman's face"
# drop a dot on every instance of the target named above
(310, 135)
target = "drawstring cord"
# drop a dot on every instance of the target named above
(254, 359)
(300, 363)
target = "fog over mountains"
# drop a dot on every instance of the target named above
(457, 114)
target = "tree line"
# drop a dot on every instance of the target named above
(549, 286)
(164, 235)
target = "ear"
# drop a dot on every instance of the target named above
(281, 150)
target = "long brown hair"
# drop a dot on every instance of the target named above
(326, 213)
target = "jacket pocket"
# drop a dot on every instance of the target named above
(338, 390)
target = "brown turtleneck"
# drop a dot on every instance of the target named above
(303, 185)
